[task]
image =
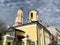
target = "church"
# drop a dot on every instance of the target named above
(31, 33)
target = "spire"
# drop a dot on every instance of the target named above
(19, 18)
(21, 8)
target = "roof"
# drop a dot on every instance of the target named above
(53, 30)
(33, 10)
(33, 22)
(12, 29)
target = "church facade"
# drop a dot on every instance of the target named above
(31, 33)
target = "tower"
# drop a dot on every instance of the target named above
(33, 15)
(19, 18)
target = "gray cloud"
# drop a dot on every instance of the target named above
(49, 10)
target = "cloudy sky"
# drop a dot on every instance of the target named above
(49, 11)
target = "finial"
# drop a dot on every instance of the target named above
(21, 7)
(32, 8)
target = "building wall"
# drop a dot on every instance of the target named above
(47, 38)
(40, 35)
(30, 30)
(43, 36)
(55, 33)
(58, 38)
(36, 33)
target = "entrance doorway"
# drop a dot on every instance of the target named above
(8, 43)
(19, 40)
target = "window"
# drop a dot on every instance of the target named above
(31, 15)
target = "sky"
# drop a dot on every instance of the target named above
(49, 11)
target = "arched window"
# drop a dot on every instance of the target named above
(31, 15)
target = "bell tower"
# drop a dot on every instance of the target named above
(33, 15)
(19, 18)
